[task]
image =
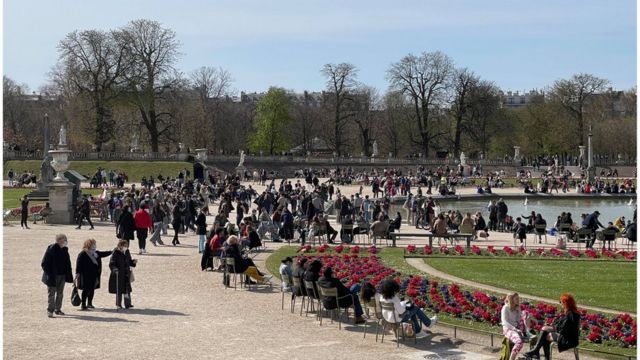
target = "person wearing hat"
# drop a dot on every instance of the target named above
(286, 273)
(327, 281)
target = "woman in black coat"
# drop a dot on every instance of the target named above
(120, 279)
(201, 230)
(88, 270)
(126, 225)
(176, 223)
(565, 330)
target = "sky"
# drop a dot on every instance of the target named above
(519, 45)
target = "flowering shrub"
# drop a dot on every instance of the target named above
(508, 251)
(475, 305)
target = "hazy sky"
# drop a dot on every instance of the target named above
(519, 45)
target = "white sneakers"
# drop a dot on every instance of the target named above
(266, 278)
(434, 320)
(421, 334)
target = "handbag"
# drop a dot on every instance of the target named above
(45, 278)
(75, 297)
(131, 277)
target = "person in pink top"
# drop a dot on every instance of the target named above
(143, 222)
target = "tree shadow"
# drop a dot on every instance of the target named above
(98, 318)
(151, 312)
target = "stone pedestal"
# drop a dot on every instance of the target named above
(240, 170)
(61, 202)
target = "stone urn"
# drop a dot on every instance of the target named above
(60, 163)
(201, 154)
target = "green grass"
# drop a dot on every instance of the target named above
(394, 257)
(605, 284)
(134, 169)
(11, 197)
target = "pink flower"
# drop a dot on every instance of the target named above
(355, 249)
(411, 249)
(338, 249)
(427, 250)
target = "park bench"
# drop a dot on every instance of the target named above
(453, 237)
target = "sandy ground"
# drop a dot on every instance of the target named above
(180, 312)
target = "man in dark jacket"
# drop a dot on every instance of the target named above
(56, 265)
(346, 297)
(591, 222)
(85, 212)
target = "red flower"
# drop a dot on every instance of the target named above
(373, 249)
(355, 249)
(427, 250)
(338, 249)
(411, 249)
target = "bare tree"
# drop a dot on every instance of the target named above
(574, 94)
(151, 52)
(93, 62)
(212, 86)
(425, 80)
(341, 80)
(464, 82)
(483, 115)
(366, 102)
(306, 118)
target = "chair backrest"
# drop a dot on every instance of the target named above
(609, 234)
(377, 307)
(230, 261)
(328, 292)
(584, 232)
(347, 227)
(311, 289)
(564, 227)
(387, 306)
(541, 228)
(296, 282)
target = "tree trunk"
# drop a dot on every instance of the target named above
(581, 128)
(337, 131)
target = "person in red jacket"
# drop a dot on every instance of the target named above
(143, 222)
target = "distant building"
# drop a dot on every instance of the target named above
(311, 98)
(515, 100)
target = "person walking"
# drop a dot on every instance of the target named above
(126, 225)
(143, 224)
(201, 230)
(24, 212)
(56, 265)
(157, 217)
(121, 275)
(88, 271)
(84, 212)
(176, 223)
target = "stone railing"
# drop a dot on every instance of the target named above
(212, 158)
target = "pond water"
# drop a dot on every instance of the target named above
(550, 209)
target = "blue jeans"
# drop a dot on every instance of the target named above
(414, 313)
(201, 241)
(355, 289)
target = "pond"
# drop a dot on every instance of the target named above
(550, 209)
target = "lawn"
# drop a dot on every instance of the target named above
(134, 169)
(605, 284)
(11, 197)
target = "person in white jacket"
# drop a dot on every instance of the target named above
(404, 310)
(514, 324)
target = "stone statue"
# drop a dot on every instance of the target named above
(63, 136)
(46, 172)
(241, 163)
(134, 142)
(375, 148)
(463, 159)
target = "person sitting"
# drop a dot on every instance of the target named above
(440, 226)
(612, 234)
(619, 223)
(243, 265)
(467, 226)
(312, 274)
(46, 211)
(514, 324)
(520, 231)
(286, 274)
(346, 297)
(403, 310)
(565, 330)
(540, 226)
(298, 273)
(379, 228)
(632, 232)
(331, 232)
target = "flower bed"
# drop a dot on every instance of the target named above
(448, 298)
(508, 251)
